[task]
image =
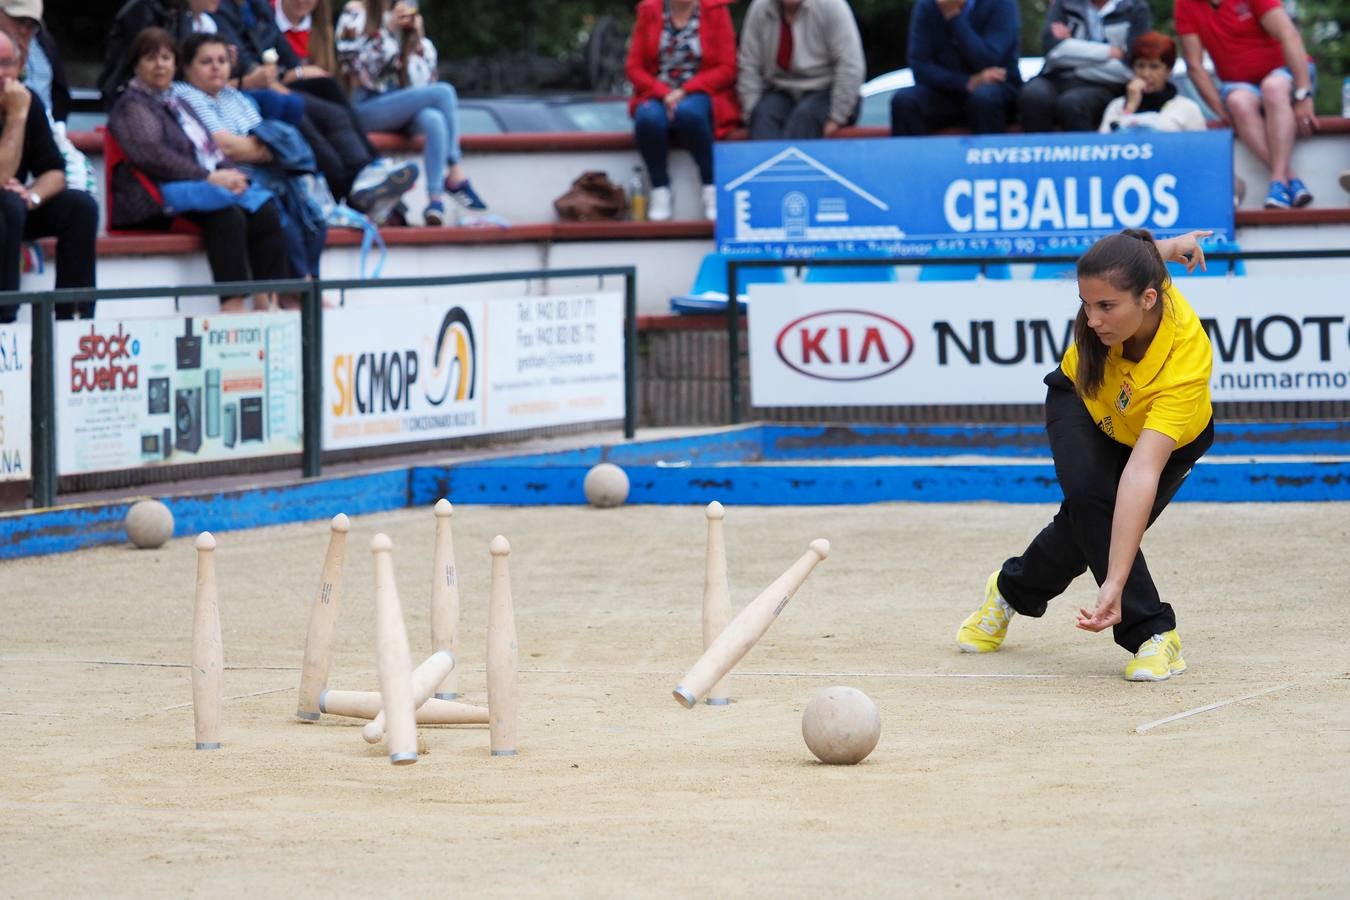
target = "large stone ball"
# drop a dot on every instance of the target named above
(149, 524)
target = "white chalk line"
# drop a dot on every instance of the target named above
(1149, 726)
(136, 662)
(235, 697)
(737, 674)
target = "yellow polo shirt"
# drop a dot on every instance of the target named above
(1167, 391)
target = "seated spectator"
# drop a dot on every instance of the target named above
(272, 154)
(800, 68)
(682, 65)
(385, 53)
(269, 69)
(179, 18)
(44, 74)
(165, 142)
(964, 58)
(1085, 62)
(1266, 81)
(35, 202)
(1151, 101)
(43, 71)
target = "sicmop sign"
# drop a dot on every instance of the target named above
(138, 392)
(972, 342)
(436, 371)
(983, 195)
(15, 393)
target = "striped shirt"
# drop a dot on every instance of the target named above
(230, 110)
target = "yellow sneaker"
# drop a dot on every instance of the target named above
(1158, 659)
(983, 631)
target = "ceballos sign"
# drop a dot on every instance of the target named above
(844, 345)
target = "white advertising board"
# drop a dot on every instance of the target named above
(431, 371)
(139, 392)
(15, 396)
(993, 341)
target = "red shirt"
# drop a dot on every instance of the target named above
(1232, 34)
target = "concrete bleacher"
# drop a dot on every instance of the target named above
(666, 254)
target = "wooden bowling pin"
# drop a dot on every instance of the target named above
(323, 623)
(502, 654)
(208, 658)
(392, 658)
(747, 627)
(445, 598)
(424, 680)
(366, 705)
(716, 594)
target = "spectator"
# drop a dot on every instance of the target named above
(43, 72)
(1266, 85)
(35, 202)
(964, 58)
(319, 107)
(1151, 101)
(800, 68)
(272, 154)
(179, 18)
(1085, 62)
(385, 53)
(682, 65)
(163, 139)
(307, 26)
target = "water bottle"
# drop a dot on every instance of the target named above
(637, 196)
(1345, 97)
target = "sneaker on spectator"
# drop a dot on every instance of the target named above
(395, 216)
(1278, 196)
(464, 194)
(1345, 180)
(381, 181)
(1299, 195)
(710, 202)
(660, 206)
(434, 214)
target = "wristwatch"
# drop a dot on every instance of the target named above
(35, 198)
(1301, 94)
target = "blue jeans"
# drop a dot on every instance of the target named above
(430, 110)
(693, 126)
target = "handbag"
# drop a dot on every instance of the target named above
(591, 198)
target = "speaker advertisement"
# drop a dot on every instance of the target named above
(138, 392)
(432, 371)
(15, 395)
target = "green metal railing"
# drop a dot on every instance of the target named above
(43, 375)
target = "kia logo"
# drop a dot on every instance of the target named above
(844, 345)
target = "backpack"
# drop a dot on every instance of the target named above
(591, 198)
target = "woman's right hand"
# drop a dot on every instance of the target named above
(261, 77)
(231, 180)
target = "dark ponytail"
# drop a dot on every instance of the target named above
(1129, 262)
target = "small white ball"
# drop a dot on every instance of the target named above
(606, 485)
(149, 524)
(841, 725)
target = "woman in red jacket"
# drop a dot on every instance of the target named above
(682, 65)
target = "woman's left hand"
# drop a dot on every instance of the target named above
(1107, 612)
(671, 100)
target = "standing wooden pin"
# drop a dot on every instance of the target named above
(502, 654)
(208, 658)
(392, 658)
(445, 598)
(716, 594)
(323, 623)
(748, 627)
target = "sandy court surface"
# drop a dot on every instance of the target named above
(1016, 773)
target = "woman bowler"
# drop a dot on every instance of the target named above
(1127, 413)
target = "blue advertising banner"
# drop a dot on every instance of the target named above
(979, 195)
